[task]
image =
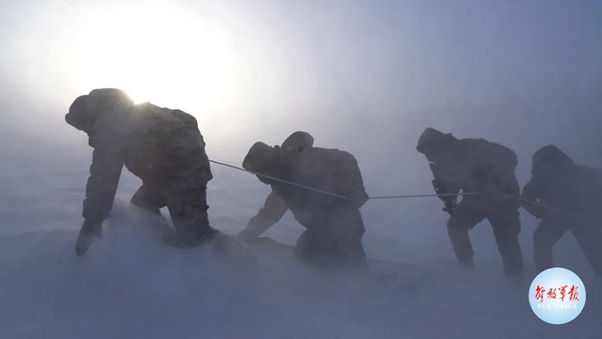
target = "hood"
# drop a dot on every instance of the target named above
(260, 158)
(85, 109)
(434, 139)
(266, 160)
(79, 116)
(550, 162)
(297, 142)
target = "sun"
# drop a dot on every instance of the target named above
(155, 54)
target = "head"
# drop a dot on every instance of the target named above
(264, 159)
(84, 111)
(437, 146)
(295, 144)
(550, 164)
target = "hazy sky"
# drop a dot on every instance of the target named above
(364, 76)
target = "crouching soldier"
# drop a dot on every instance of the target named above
(577, 189)
(476, 165)
(334, 225)
(161, 146)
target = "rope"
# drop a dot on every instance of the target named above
(281, 180)
(545, 206)
(398, 196)
(424, 195)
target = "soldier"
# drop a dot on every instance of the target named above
(161, 146)
(577, 189)
(476, 165)
(334, 225)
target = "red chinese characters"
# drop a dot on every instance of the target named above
(552, 293)
(557, 293)
(573, 294)
(539, 293)
(563, 292)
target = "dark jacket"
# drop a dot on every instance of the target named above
(329, 170)
(161, 146)
(478, 165)
(558, 182)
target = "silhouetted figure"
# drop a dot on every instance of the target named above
(558, 182)
(161, 146)
(476, 165)
(334, 225)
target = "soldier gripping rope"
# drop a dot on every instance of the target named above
(161, 146)
(558, 182)
(476, 165)
(334, 225)
(324, 187)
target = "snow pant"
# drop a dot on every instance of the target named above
(334, 238)
(549, 231)
(506, 227)
(188, 211)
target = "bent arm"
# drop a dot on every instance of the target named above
(531, 193)
(353, 182)
(273, 210)
(107, 162)
(443, 182)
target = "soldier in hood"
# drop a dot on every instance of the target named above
(575, 189)
(476, 165)
(161, 146)
(334, 225)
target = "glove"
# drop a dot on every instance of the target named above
(246, 236)
(442, 187)
(450, 206)
(89, 231)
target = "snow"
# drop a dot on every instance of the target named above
(129, 285)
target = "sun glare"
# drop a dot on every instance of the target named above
(155, 55)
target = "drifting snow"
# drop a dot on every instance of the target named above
(131, 286)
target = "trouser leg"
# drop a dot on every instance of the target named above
(188, 212)
(457, 228)
(335, 238)
(149, 199)
(153, 200)
(345, 230)
(460, 241)
(545, 237)
(506, 227)
(589, 237)
(308, 247)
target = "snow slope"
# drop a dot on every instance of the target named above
(131, 286)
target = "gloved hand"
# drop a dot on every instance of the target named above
(87, 233)
(450, 206)
(246, 236)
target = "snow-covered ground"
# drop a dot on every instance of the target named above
(131, 286)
